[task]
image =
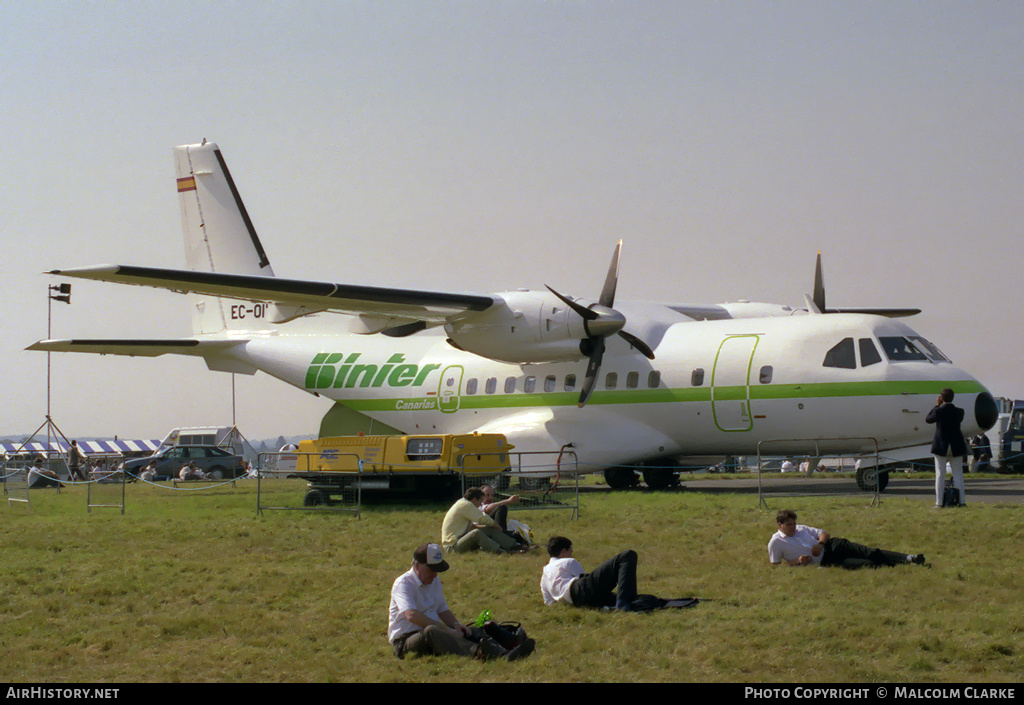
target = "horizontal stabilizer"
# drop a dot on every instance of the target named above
(340, 298)
(137, 347)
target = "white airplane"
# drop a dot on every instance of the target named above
(547, 370)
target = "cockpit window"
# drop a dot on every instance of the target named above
(899, 349)
(933, 353)
(842, 355)
(868, 352)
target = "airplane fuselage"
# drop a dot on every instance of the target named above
(716, 387)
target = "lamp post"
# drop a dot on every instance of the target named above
(63, 293)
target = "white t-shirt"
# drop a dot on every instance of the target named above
(556, 578)
(782, 548)
(409, 593)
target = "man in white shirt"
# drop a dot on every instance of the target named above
(496, 509)
(420, 621)
(798, 545)
(38, 476)
(612, 584)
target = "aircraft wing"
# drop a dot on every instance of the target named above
(745, 309)
(887, 312)
(435, 307)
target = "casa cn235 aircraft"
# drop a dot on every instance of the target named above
(626, 385)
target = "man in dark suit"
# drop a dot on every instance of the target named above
(948, 444)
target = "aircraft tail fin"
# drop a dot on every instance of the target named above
(219, 236)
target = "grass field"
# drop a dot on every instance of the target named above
(196, 587)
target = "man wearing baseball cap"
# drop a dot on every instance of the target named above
(420, 621)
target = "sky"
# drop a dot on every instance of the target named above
(490, 145)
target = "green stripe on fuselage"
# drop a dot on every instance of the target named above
(666, 396)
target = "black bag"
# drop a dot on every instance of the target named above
(509, 635)
(950, 495)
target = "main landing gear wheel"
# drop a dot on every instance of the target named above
(621, 478)
(866, 479)
(661, 478)
(314, 498)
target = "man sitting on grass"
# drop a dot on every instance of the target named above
(795, 544)
(38, 476)
(466, 528)
(420, 621)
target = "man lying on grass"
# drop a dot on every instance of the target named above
(611, 585)
(795, 544)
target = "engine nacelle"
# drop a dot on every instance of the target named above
(526, 326)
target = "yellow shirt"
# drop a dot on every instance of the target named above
(460, 519)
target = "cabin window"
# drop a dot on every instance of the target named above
(633, 380)
(766, 374)
(570, 382)
(899, 349)
(697, 378)
(491, 385)
(842, 355)
(868, 352)
(654, 379)
(510, 385)
(611, 381)
(471, 386)
(529, 384)
(549, 383)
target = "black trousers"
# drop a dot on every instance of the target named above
(612, 584)
(852, 555)
(500, 516)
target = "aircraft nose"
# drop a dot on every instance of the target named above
(986, 411)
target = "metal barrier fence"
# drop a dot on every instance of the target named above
(868, 476)
(324, 486)
(105, 487)
(16, 486)
(538, 484)
(19, 477)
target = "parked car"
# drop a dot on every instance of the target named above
(216, 462)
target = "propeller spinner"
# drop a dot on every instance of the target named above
(600, 320)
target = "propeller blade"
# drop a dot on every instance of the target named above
(583, 311)
(611, 280)
(819, 286)
(640, 345)
(592, 367)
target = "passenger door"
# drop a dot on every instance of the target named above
(730, 383)
(450, 389)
